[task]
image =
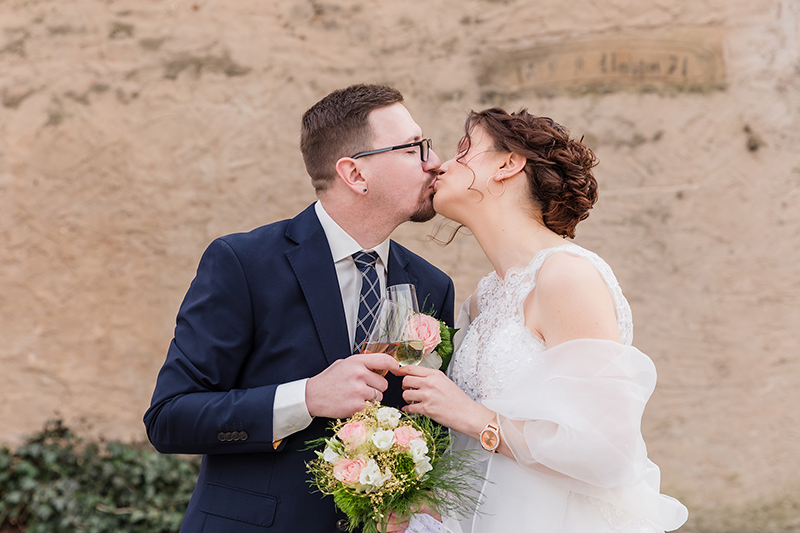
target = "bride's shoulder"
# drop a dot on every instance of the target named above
(568, 272)
(572, 300)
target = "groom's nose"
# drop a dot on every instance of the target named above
(433, 162)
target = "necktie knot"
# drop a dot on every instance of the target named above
(365, 260)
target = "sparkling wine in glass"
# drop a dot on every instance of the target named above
(390, 334)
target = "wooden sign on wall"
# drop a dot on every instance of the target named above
(686, 60)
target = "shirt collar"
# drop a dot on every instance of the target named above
(341, 243)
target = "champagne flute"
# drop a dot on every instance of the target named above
(391, 334)
(404, 294)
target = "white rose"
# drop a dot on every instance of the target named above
(389, 416)
(418, 449)
(330, 455)
(383, 439)
(423, 466)
(371, 475)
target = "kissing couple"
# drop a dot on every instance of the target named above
(544, 384)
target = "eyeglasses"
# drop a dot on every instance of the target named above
(424, 149)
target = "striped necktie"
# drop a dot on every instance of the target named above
(370, 295)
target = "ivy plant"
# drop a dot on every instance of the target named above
(57, 482)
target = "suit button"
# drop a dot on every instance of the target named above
(242, 435)
(343, 525)
(221, 436)
(235, 436)
(227, 436)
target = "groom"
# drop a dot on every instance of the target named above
(261, 358)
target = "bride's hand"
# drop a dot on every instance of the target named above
(431, 393)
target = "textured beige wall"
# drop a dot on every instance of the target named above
(133, 132)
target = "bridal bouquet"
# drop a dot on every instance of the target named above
(380, 461)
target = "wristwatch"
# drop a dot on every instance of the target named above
(490, 436)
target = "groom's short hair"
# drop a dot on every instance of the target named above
(338, 126)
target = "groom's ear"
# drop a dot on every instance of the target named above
(348, 171)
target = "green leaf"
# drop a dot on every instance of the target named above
(445, 348)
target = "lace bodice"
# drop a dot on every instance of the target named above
(498, 346)
(570, 415)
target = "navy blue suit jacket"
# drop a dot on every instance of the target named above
(264, 309)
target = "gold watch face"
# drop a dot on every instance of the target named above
(489, 439)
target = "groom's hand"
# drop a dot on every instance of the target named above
(342, 389)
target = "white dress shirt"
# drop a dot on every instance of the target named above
(289, 411)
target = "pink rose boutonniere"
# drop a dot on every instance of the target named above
(427, 328)
(437, 339)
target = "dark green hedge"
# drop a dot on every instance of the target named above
(57, 482)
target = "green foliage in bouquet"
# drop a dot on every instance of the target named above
(56, 482)
(371, 474)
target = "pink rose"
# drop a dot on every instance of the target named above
(405, 434)
(353, 434)
(425, 327)
(349, 470)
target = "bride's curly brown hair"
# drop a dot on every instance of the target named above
(559, 169)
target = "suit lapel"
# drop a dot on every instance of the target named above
(313, 265)
(401, 272)
(396, 271)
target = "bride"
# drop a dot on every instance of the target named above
(545, 384)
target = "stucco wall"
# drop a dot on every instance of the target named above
(133, 132)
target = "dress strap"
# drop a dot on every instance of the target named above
(623, 309)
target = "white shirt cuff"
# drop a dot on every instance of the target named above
(289, 411)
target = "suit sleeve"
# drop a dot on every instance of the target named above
(196, 407)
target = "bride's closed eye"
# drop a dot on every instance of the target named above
(462, 148)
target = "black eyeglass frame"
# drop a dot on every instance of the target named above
(424, 149)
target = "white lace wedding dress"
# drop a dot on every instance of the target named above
(571, 416)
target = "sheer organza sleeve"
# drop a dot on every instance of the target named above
(462, 323)
(578, 412)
